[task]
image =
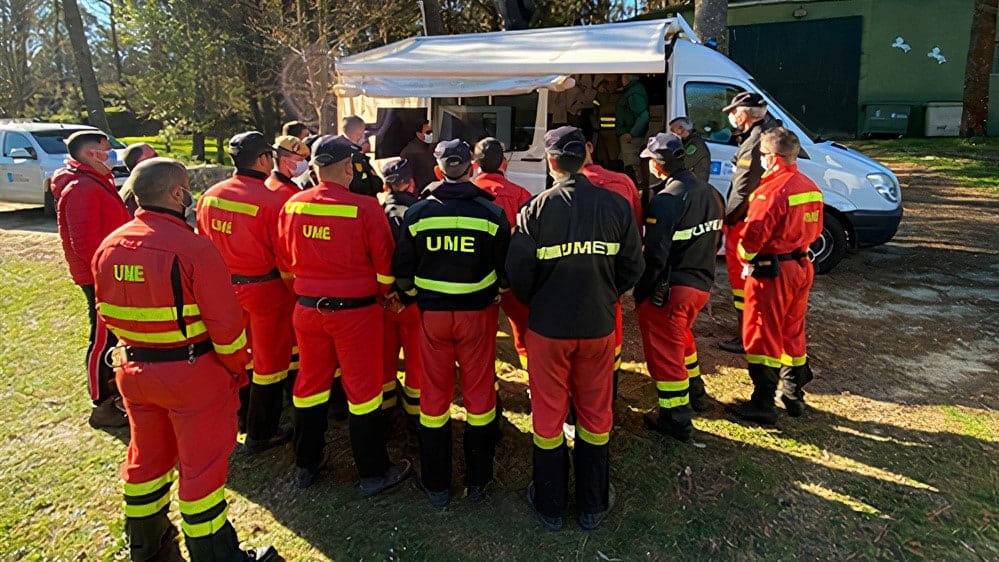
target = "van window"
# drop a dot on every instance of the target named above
(509, 118)
(16, 140)
(705, 101)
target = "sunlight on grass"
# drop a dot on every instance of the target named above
(879, 438)
(830, 495)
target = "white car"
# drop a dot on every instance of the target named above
(31, 152)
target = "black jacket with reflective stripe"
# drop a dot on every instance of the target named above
(575, 251)
(452, 249)
(747, 170)
(682, 234)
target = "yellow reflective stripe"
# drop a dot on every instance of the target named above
(198, 530)
(740, 293)
(434, 422)
(549, 443)
(693, 372)
(229, 205)
(672, 386)
(692, 358)
(365, 407)
(204, 504)
(411, 292)
(763, 360)
(481, 419)
(149, 486)
(454, 288)
(171, 336)
(388, 387)
(739, 305)
(265, 380)
(145, 314)
(592, 438)
(384, 279)
(389, 402)
(588, 247)
(793, 361)
(523, 362)
(802, 198)
(651, 220)
(411, 392)
(744, 254)
(147, 509)
(674, 402)
(321, 209)
(226, 349)
(411, 409)
(451, 223)
(287, 275)
(310, 401)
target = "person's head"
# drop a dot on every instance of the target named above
(91, 148)
(681, 127)
(398, 175)
(251, 151)
(566, 151)
(291, 156)
(138, 152)
(425, 132)
(454, 159)
(161, 182)
(779, 147)
(489, 155)
(665, 154)
(295, 129)
(746, 109)
(331, 159)
(628, 79)
(352, 127)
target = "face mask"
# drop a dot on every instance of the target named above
(763, 163)
(188, 201)
(112, 160)
(732, 120)
(428, 138)
(300, 168)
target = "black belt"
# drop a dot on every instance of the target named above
(164, 355)
(246, 279)
(336, 303)
(795, 255)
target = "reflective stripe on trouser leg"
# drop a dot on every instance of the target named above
(618, 336)
(411, 400)
(592, 467)
(389, 396)
(311, 394)
(146, 521)
(271, 337)
(207, 532)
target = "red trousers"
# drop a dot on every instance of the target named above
(734, 264)
(669, 342)
(517, 313)
(580, 370)
(773, 324)
(404, 331)
(269, 305)
(345, 339)
(467, 337)
(180, 414)
(618, 334)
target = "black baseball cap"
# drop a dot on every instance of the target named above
(745, 99)
(250, 142)
(565, 141)
(329, 149)
(489, 153)
(452, 154)
(663, 147)
(397, 171)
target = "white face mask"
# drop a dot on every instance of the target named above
(300, 168)
(428, 138)
(732, 120)
(763, 163)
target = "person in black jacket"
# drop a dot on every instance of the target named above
(451, 257)
(420, 154)
(366, 181)
(576, 249)
(695, 151)
(682, 234)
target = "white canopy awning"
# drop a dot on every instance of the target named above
(503, 62)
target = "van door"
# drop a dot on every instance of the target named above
(701, 99)
(20, 176)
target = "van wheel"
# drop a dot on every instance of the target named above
(50, 203)
(830, 248)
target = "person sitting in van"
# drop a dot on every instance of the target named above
(631, 124)
(696, 153)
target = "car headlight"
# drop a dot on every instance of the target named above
(885, 185)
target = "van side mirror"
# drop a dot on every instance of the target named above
(23, 153)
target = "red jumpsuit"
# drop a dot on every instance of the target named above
(182, 412)
(784, 218)
(734, 264)
(239, 215)
(510, 197)
(621, 184)
(338, 246)
(283, 185)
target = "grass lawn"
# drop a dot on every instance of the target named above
(181, 148)
(972, 162)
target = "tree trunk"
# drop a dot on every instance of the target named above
(979, 66)
(711, 22)
(198, 146)
(220, 150)
(85, 66)
(432, 17)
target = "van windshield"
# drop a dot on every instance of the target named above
(773, 101)
(54, 141)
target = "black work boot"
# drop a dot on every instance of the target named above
(262, 554)
(792, 395)
(760, 407)
(549, 491)
(480, 450)
(592, 467)
(149, 536)
(108, 414)
(733, 345)
(672, 422)
(338, 400)
(263, 416)
(214, 546)
(310, 441)
(699, 399)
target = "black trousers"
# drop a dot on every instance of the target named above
(100, 376)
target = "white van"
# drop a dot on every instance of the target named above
(513, 85)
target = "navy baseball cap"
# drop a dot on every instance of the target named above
(397, 171)
(252, 142)
(452, 154)
(745, 99)
(565, 141)
(663, 146)
(329, 149)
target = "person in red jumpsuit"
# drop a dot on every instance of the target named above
(490, 159)
(239, 216)
(783, 219)
(338, 247)
(88, 209)
(166, 294)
